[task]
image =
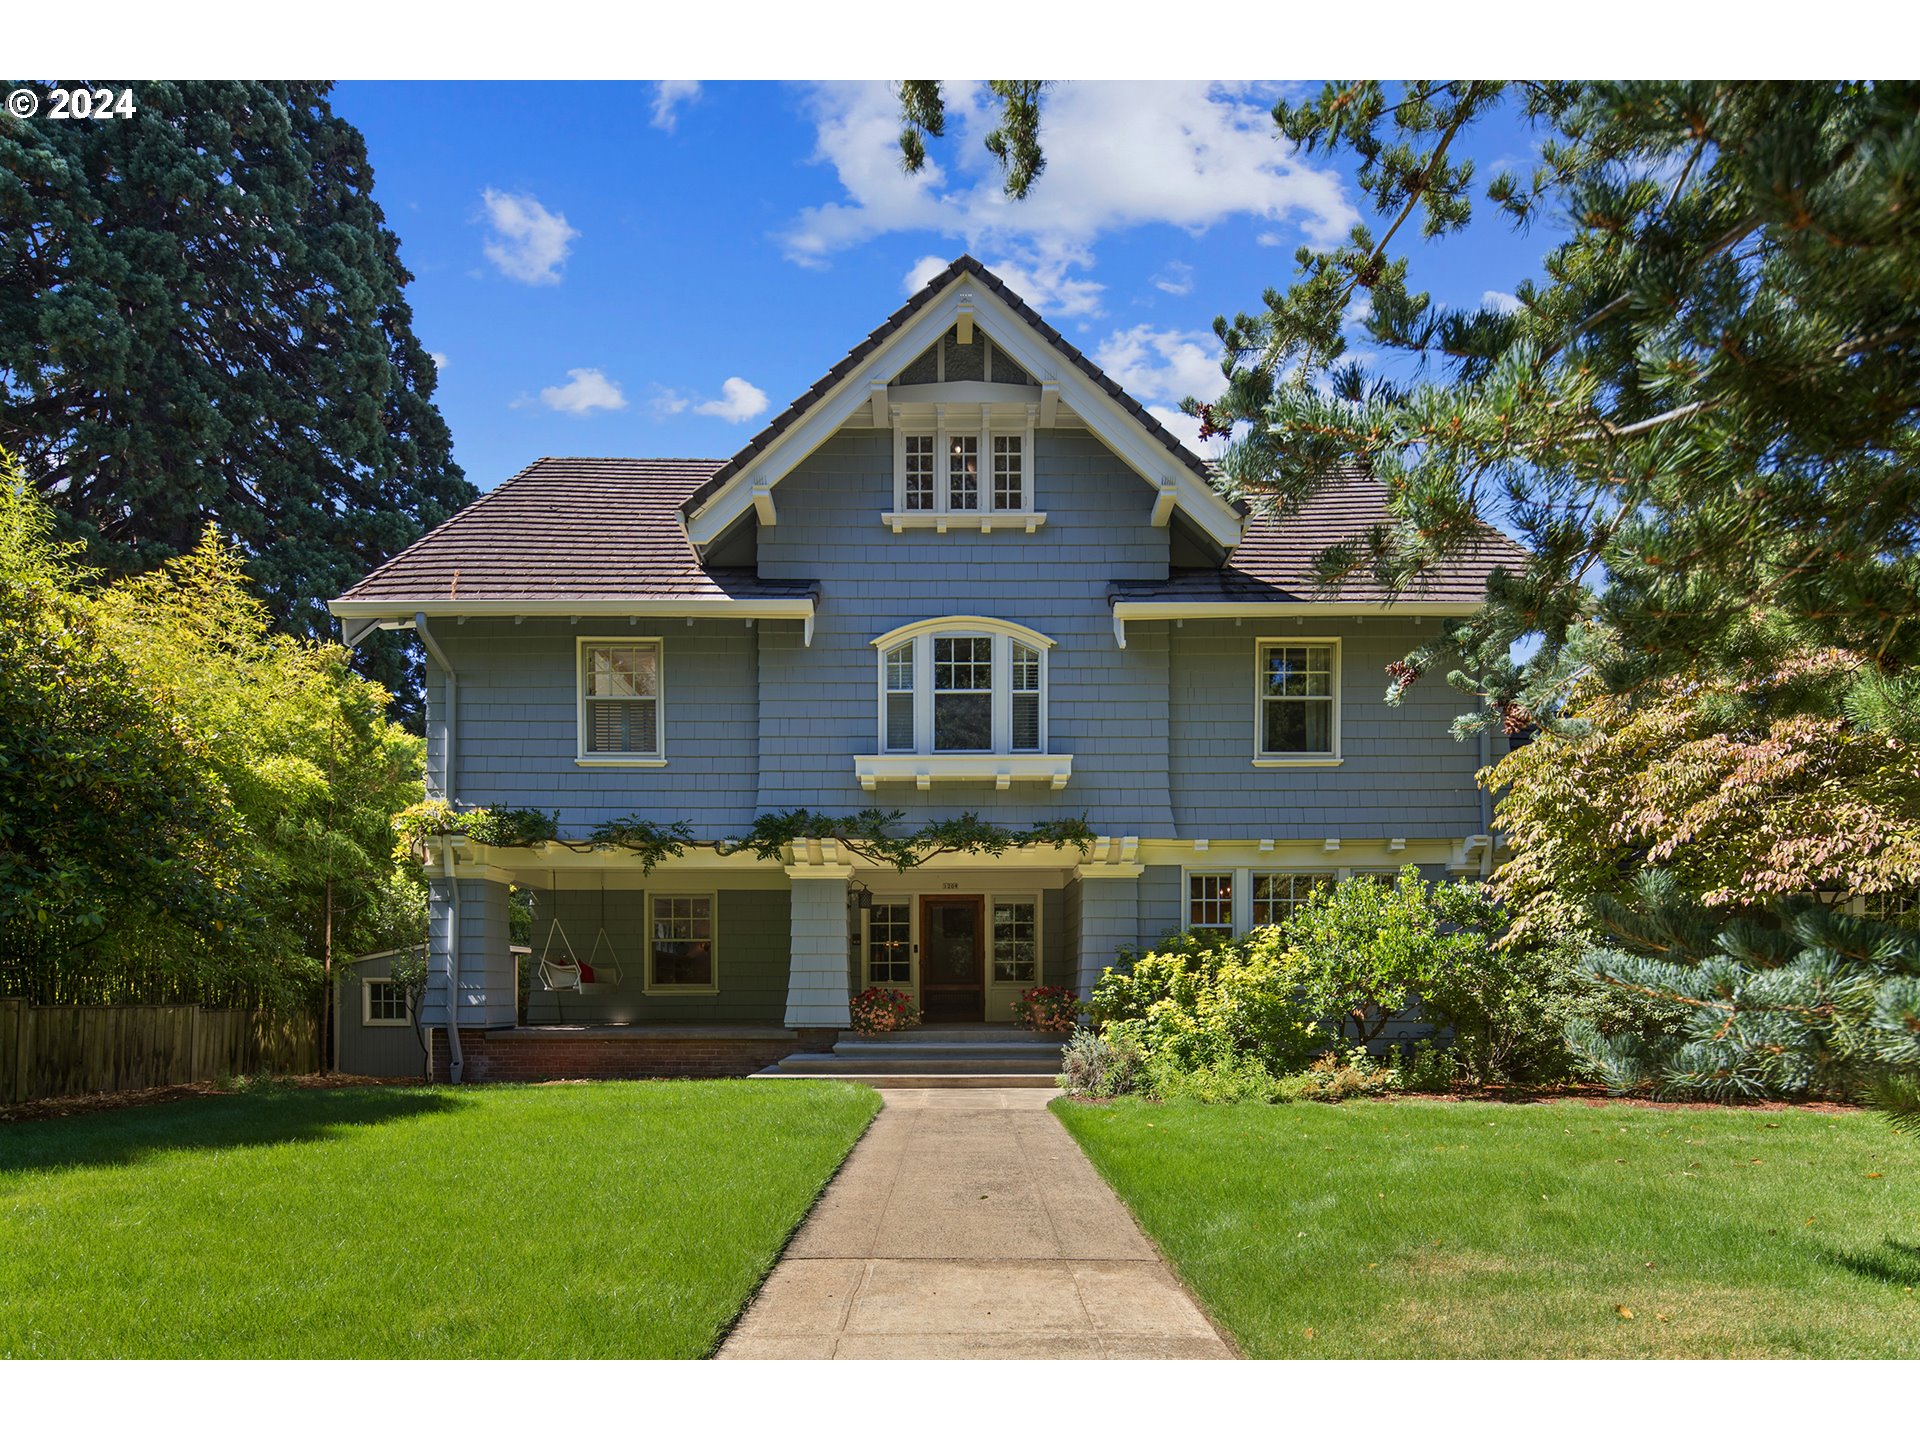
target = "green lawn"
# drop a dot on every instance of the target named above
(547, 1221)
(1426, 1229)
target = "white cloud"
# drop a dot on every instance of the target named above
(1176, 279)
(924, 269)
(1162, 365)
(1119, 155)
(440, 361)
(585, 392)
(668, 97)
(1269, 238)
(1499, 300)
(530, 242)
(738, 402)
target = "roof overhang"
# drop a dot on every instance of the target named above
(372, 614)
(1175, 484)
(1125, 610)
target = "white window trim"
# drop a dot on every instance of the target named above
(923, 764)
(912, 984)
(647, 985)
(1274, 759)
(983, 423)
(1243, 876)
(367, 982)
(1034, 898)
(635, 759)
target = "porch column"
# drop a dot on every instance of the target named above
(818, 946)
(1109, 881)
(487, 998)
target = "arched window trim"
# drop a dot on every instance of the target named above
(918, 639)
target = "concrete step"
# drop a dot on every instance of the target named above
(943, 1050)
(877, 1081)
(956, 1034)
(813, 1063)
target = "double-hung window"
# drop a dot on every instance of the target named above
(964, 691)
(619, 701)
(1277, 895)
(1210, 901)
(1297, 704)
(680, 943)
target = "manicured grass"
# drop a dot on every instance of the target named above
(548, 1221)
(1425, 1229)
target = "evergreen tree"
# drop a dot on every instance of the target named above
(203, 320)
(1701, 421)
(1798, 1000)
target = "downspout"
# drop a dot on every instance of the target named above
(455, 1061)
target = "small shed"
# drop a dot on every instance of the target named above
(373, 1025)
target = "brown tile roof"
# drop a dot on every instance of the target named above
(965, 265)
(1274, 560)
(570, 529)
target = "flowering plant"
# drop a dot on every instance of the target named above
(1047, 1007)
(878, 1012)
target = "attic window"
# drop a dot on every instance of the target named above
(976, 465)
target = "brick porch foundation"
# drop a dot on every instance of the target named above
(614, 1052)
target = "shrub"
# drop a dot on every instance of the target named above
(1048, 1008)
(1099, 1067)
(1204, 1000)
(1231, 1080)
(878, 1011)
(1338, 1076)
(1427, 1068)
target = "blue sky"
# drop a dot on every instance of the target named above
(627, 269)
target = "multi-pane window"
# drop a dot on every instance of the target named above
(1025, 687)
(1297, 699)
(963, 692)
(680, 942)
(1016, 942)
(917, 483)
(957, 468)
(1009, 473)
(386, 1003)
(1275, 896)
(1902, 909)
(889, 944)
(963, 472)
(1210, 902)
(620, 698)
(899, 697)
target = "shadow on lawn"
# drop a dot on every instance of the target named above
(1895, 1262)
(222, 1122)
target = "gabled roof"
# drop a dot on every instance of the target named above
(1273, 564)
(968, 266)
(567, 531)
(1122, 422)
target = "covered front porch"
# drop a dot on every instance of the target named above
(710, 959)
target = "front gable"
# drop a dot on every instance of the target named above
(966, 357)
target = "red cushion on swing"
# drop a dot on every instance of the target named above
(586, 972)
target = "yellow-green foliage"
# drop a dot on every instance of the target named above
(255, 773)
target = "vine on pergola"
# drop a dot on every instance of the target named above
(869, 834)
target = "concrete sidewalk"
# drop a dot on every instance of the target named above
(967, 1225)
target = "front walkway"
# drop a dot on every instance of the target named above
(967, 1225)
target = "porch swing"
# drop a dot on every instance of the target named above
(565, 971)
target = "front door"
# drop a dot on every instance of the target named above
(952, 977)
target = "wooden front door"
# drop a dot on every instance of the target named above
(952, 969)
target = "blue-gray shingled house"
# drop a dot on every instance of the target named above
(964, 572)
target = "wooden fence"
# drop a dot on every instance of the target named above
(54, 1050)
